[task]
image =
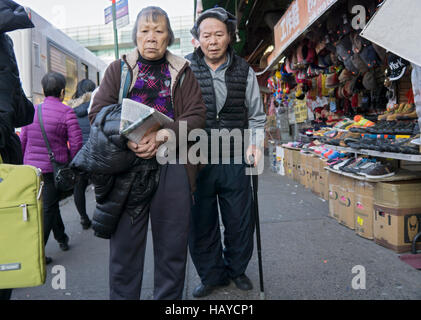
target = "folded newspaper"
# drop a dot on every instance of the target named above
(137, 118)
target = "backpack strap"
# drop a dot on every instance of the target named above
(124, 81)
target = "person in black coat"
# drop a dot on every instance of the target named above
(80, 104)
(15, 109)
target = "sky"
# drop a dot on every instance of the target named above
(73, 13)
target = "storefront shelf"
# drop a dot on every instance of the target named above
(401, 175)
(389, 155)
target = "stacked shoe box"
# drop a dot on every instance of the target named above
(315, 186)
(397, 214)
(323, 180)
(308, 170)
(363, 208)
(346, 202)
(296, 159)
(334, 190)
(302, 168)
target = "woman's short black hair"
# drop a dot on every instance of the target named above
(153, 13)
(53, 83)
(84, 86)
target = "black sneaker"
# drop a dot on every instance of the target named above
(86, 223)
(243, 282)
(203, 290)
(346, 163)
(377, 171)
(64, 245)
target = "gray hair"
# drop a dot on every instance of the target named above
(153, 13)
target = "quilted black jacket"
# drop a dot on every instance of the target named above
(122, 180)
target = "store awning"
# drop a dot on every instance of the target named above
(300, 15)
(396, 26)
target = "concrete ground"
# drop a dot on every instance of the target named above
(306, 255)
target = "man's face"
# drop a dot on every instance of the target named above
(152, 38)
(214, 39)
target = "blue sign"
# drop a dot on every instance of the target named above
(122, 10)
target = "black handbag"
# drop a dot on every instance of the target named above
(64, 177)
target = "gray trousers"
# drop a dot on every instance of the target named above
(170, 219)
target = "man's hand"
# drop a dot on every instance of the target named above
(254, 151)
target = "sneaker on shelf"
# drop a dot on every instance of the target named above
(349, 168)
(362, 165)
(346, 162)
(378, 171)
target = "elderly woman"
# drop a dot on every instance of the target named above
(165, 82)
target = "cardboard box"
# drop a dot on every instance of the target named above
(396, 228)
(296, 165)
(323, 180)
(305, 169)
(346, 200)
(364, 208)
(334, 190)
(302, 165)
(308, 171)
(315, 185)
(398, 194)
(285, 162)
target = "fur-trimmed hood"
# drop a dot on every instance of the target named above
(74, 103)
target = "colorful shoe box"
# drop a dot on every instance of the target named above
(364, 208)
(346, 202)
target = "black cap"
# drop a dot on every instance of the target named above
(218, 13)
(397, 66)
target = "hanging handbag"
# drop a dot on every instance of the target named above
(64, 177)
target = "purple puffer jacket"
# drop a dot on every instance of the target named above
(61, 126)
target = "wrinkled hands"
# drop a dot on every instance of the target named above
(149, 144)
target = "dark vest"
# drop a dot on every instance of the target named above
(233, 114)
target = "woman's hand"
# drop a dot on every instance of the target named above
(147, 146)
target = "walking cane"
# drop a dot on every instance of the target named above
(256, 217)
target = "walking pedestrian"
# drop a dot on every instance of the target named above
(80, 103)
(165, 82)
(65, 138)
(15, 109)
(231, 93)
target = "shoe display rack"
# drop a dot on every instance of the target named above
(401, 175)
(388, 155)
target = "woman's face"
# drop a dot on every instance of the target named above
(152, 38)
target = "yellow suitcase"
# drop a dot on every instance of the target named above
(22, 258)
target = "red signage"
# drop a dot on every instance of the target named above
(298, 17)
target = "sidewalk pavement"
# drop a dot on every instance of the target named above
(306, 255)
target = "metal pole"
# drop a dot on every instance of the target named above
(115, 29)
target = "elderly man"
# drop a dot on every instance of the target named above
(231, 94)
